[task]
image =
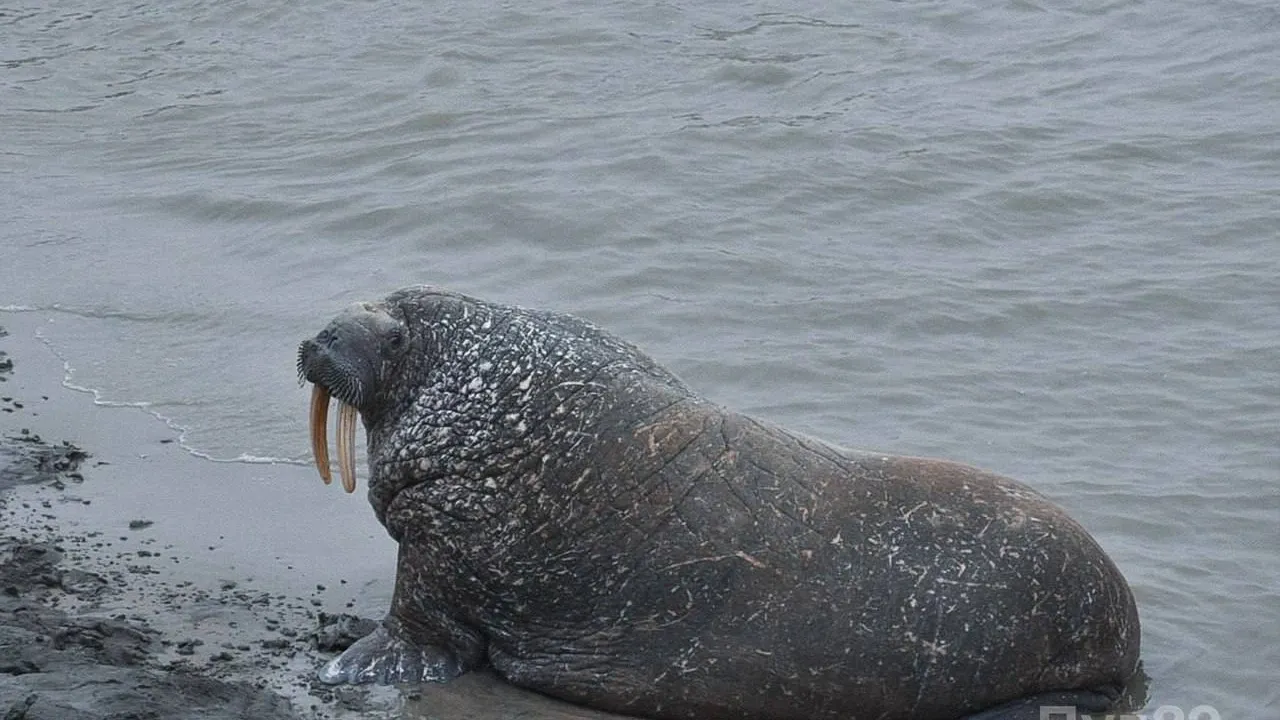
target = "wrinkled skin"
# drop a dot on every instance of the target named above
(571, 514)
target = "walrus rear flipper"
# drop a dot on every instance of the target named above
(1058, 705)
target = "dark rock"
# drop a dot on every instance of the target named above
(336, 633)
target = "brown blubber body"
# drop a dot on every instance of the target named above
(572, 514)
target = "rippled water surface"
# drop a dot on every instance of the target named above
(1040, 238)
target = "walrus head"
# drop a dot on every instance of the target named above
(457, 394)
(350, 360)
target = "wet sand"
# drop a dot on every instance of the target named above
(112, 621)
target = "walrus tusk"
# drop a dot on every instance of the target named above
(320, 431)
(347, 446)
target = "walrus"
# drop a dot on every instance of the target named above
(572, 515)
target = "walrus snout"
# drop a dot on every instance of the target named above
(340, 359)
(344, 361)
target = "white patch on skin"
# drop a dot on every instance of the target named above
(906, 517)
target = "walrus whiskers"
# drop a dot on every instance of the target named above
(347, 446)
(320, 431)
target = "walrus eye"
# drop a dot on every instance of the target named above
(396, 338)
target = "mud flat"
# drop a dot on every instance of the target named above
(102, 617)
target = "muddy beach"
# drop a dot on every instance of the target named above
(92, 619)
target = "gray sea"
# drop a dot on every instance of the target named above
(1038, 237)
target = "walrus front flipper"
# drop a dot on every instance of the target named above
(417, 641)
(387, 656)
(1058, 705)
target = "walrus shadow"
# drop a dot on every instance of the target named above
(481, 695)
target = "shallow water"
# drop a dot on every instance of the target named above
(1038, 239)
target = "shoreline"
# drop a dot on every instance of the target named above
(106, 622)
